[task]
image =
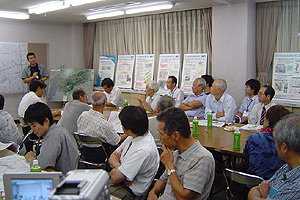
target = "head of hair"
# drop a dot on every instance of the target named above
(98, 98)
(287, 130)
(30, 54)
(153, 85)
(269, 91)
(201, 81)
(38, 112)
(108, 82)
(221, 83)
(165, 102)
(175, 120)
(1, 102)
(174, 79)
(208, 79)
(78, 92)
(33, 85)
(134, 118)
(275, 113)
(254, 85)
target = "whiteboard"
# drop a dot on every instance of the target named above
(143, 71)
(169, 65)
(12, 62)
(194, 65)
(286, 79)
(124, 71)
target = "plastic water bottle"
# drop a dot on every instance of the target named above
(35, 166)
(209, 120)
(236, 139)
(195, 126)
(125, 103)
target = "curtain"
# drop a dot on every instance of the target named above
(88, 44)
(168, 33)
(288, 34)
(267, 20)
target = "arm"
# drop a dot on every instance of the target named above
(194, 104)
(110, 104)
(44, 78)
(156, 190)
(144, 104)
(30, 156)
(260, 192)
(114, 159)
(185, 107)
(179, 191)
(116, 176)
(27, 80)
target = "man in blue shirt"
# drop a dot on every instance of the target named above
(194, 105)
(285, 184)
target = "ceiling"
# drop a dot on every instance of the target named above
(76, 14)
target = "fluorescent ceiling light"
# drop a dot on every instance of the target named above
(105, 14)
(48, 7)
(149, 8)
(13, 15)
(80, 2)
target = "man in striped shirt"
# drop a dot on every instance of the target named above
(285, 183)
(190, 170)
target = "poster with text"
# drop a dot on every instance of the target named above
(144, 66)
(124, 71)
(169, 65)
(286, 78)
(194, 65)
(106, 68)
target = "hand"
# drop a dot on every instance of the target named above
(220, 114)
(29, 156)
(128, 183)
(152, 196)
(167, 157)
(264, 188)
(141, 98)
(35, 74)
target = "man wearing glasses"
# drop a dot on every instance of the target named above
(265, 96)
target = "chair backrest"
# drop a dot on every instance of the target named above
(243, 178)
(82, 139)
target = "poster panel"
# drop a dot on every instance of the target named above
(143, 72)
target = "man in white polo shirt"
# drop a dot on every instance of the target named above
(136, 161)
(176, 93)
(113, 94)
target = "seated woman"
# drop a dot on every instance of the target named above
(260, 147)
(151, 101)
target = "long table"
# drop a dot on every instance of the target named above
(217, 139)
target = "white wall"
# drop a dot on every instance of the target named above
(65, 45)
(233, 46)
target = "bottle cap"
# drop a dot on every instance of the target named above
(195, 117)
(35, 162)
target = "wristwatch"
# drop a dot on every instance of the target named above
(170, 171)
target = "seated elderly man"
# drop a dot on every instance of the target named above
(113, 94)
(151, 101)
(93, 123)
(8, 129)
(73, 110)
(163, 103)
(194, 105)
(220, 104)
(59, 149)
(190, 170)
(175, 92)
(285, 184)
(259, 110)
(136, 161)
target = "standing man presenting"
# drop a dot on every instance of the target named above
(34, 71)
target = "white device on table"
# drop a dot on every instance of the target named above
(84, 185)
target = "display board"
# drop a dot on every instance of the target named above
(194, 65)
(124, 71)
(106, 68)
(286, 79)
(12, 62)
(64, 81)
(169, 65)
(143, 72)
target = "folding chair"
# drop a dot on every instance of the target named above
(82, 140)
(241, 178)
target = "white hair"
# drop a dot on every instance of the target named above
(153, 85)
